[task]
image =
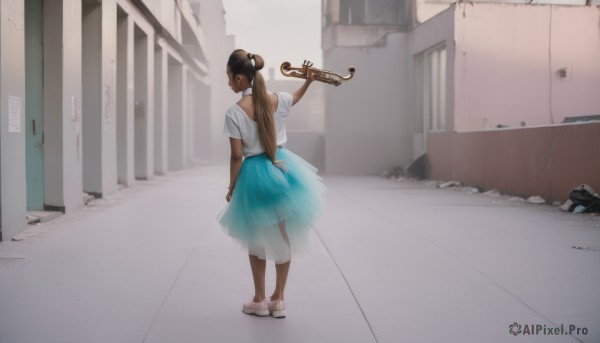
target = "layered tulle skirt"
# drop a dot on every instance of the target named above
(273, 207)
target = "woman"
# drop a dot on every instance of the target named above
(274, 194)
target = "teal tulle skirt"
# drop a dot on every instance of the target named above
(272, 208)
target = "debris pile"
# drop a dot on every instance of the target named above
(396, 173)
(449, 184)
(492, 193)
(582, 199)
(516, 200)
(536, 199)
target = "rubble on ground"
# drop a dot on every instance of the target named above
(396, 173)
(449, 184)
(583, 199)
(568, 206)
(471, 190)
(516, 200)
(432, 184)
(536, 199)
(492, 193)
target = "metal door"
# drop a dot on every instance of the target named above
(34, 104)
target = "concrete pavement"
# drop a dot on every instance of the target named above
(389, 262)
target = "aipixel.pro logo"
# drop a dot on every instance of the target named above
(515, 328)
(542, 329)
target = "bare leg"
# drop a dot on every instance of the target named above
(258, 267)
(281, 269)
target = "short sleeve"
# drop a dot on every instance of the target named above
(231, 128)
(285, 100)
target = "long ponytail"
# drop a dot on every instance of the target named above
(262, 110)
(240, 62)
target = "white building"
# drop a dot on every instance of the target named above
(481, 87)
(97, 94)
(368, 119)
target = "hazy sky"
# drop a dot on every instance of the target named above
(279, 30)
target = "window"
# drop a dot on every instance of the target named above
(431, 83)
(372, 12)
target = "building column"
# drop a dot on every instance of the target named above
(161, 60)
(191, 112)
(200, 112)
(62, 106)
(13, 194)
(125, 98)
(144, 104)
(99, 110)
(176, 94)
(185, 116)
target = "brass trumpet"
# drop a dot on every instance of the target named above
(320, 74)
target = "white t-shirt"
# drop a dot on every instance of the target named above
(239, 125)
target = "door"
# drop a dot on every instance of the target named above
(34, 100)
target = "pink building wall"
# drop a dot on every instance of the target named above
(503, 69)
(546, 161)
(507, 63)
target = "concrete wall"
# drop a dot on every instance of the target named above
(125, 99)
(175, 116)
(63, 184)
(508, 59)
(166, 12)
(161, 103)
(108, 96)
(92, 123)
(367, 124)
(546, 161)
(98, 99)
(144, 103)
(12, 119)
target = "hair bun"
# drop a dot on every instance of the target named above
(256, 61)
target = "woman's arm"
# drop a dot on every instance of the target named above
(235, 163)
(299, 93)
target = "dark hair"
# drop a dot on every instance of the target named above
(240, 63)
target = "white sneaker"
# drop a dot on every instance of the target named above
(257, 309)
(276, 308)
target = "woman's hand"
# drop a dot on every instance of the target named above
(229, 194)
(299, 93)
(310, 76)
